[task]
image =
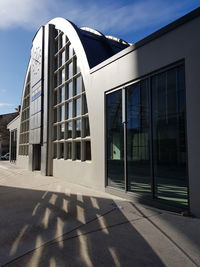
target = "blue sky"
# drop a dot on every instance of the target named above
(19, 20)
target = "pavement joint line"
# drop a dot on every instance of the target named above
(48, 243)
(167, 236)
(54, 241)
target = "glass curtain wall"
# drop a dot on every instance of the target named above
(71, 131)
(153, 137)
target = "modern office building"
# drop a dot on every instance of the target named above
(120, 117)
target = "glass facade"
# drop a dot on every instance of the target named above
(25, 117)
(71, 130)
(149, 125)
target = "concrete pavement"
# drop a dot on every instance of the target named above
(48, 222)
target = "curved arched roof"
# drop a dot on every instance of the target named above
(97, 47)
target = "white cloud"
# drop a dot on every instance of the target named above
(111, 17)
(5, 105)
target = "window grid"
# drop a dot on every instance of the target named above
(25, 116)
(71, 134)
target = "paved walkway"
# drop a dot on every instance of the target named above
(48, 222)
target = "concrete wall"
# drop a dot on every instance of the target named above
(183, 43)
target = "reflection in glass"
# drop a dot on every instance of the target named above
(62, 75)
(78, 85)
(63, 58)
(61, 94)
(169, 146)
(138, 157)
(69, 129)
(70, 70)
(69, 110)
(78, 107)
(78, 128)
(70, 90)
(61, 131)
(115, 140)
(62, 112)
(71, 51)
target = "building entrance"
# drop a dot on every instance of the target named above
(36, 157)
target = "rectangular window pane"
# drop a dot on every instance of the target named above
(78, 85)
(85, 108)
(78, 128)
(63, 58)
(69, 150)
(78, 107)
(87, 150)
(61, 131)
(62, 112)
(69, 110)
(70, 70)
(61, 150)
(61, 92)
(62, 75)
(69, 90)
(86, 127)
(78, 150)
(69, 129)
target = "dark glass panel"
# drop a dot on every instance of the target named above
(115, 140)
(78, 150)
(169, 146)
(138, 143)
(69, 129)
(87, 150)
(78, 107)
(61, 131)
(78, 128)
(86, 127)
(69, 151)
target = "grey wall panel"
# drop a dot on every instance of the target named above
(180, 44)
